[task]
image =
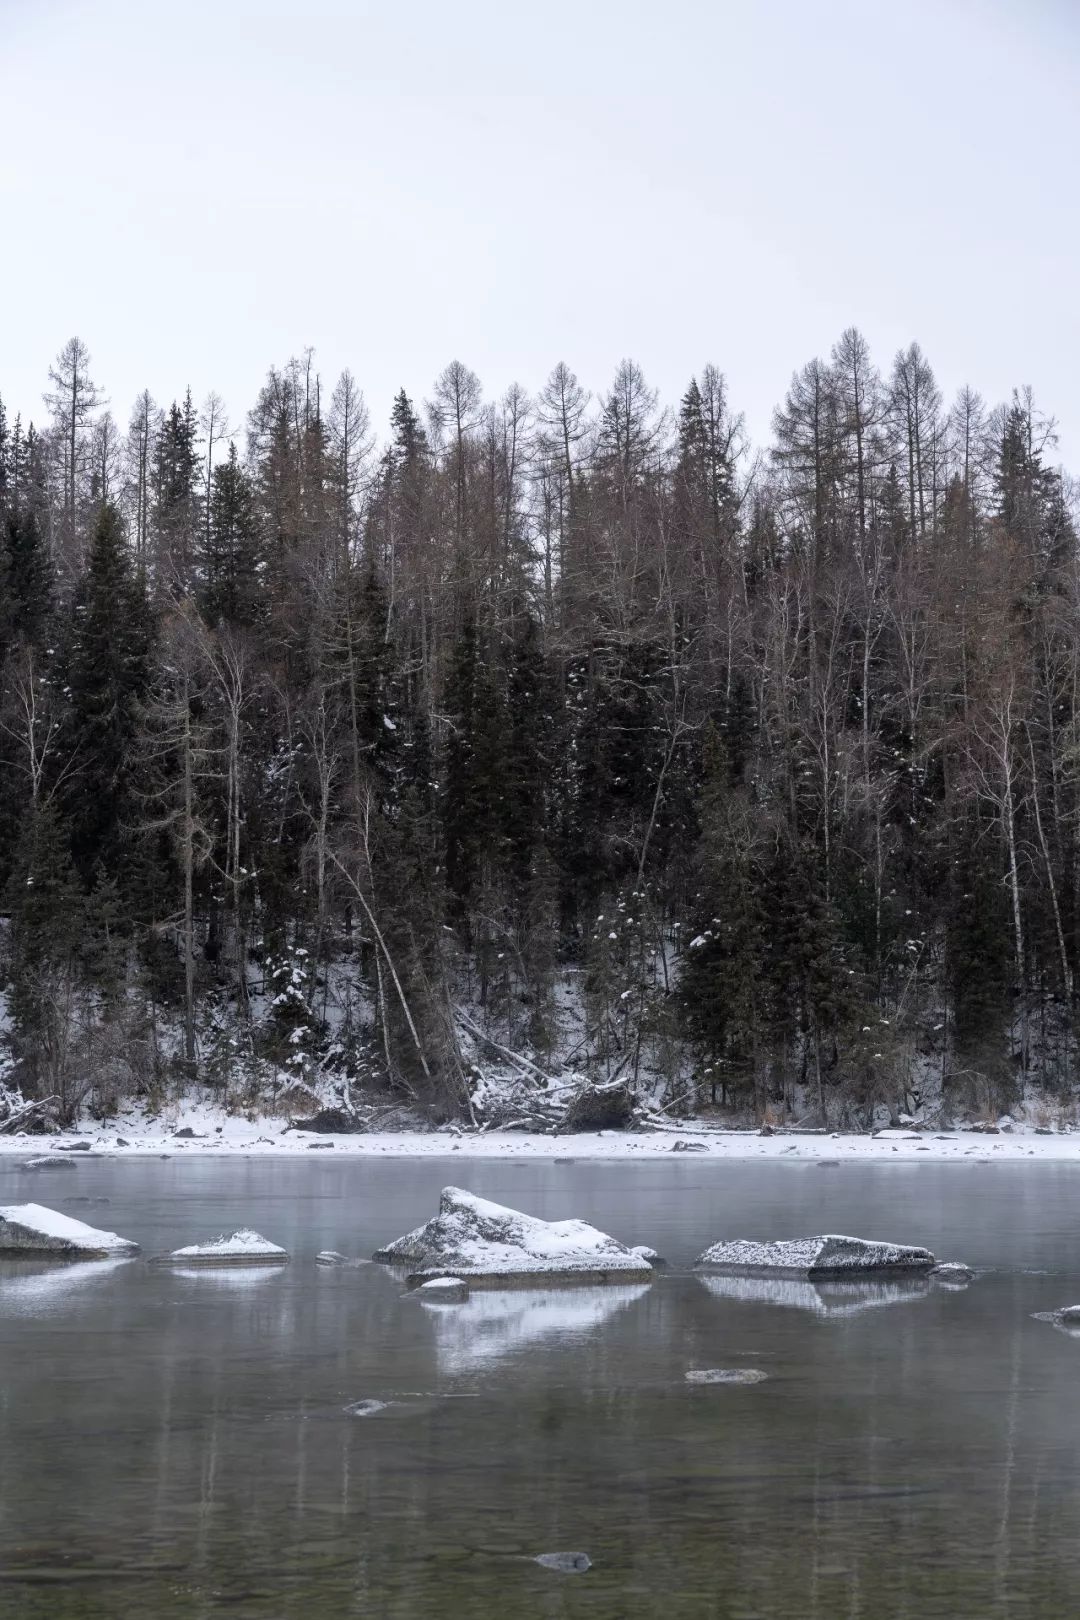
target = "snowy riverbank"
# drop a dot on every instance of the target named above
(223, 1135)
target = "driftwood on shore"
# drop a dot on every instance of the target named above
(41, 1115)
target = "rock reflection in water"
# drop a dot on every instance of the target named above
(227, 1276)
(494, 1323)
(819, 1299)
(176, 1447)
(30, 1287)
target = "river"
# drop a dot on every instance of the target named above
(176, 1446)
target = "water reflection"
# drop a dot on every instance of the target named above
(29, 1287)
(178, 1450)
(819, 1299)
(228, 1276)
(495, 1323)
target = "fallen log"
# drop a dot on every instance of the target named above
(44, 1110)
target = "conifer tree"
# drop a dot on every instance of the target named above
(230, 565)
(108, 667)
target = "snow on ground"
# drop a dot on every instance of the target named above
(225, 1134)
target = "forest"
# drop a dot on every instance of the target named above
(570, 730)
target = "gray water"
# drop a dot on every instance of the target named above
(177, 1446)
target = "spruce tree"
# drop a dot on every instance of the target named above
(230, 565)
(108, 666)
(28, 596)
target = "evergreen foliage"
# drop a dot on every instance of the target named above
(305, 743)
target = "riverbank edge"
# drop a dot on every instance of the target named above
(217, 1135)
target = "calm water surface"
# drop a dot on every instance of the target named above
(176, 1446)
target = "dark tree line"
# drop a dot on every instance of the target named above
(318, 751)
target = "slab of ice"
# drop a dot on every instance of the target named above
(829, 1256)
(831, 1299)
(485, 1242)
(243, 1248)
(33, 1229)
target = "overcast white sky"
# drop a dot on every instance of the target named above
(201, 189)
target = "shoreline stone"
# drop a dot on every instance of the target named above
(831, 1255)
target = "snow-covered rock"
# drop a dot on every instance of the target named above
(471, 1237)
(243, 1248)
(952, 1274)
(443, 1290)
(648, 1254)
(33, 1229)
(828, 1256)
(825, 1299)
(1066, 1320)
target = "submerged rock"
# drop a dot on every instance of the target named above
(828, 1256)
(725, 1375)
(951, 1274)
(55, 1161)
(243, 1248)
(567, 1563)
(363, 1409)
(33, 1229)
(331, 1257)
(485, 1242)
(443, 1290)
